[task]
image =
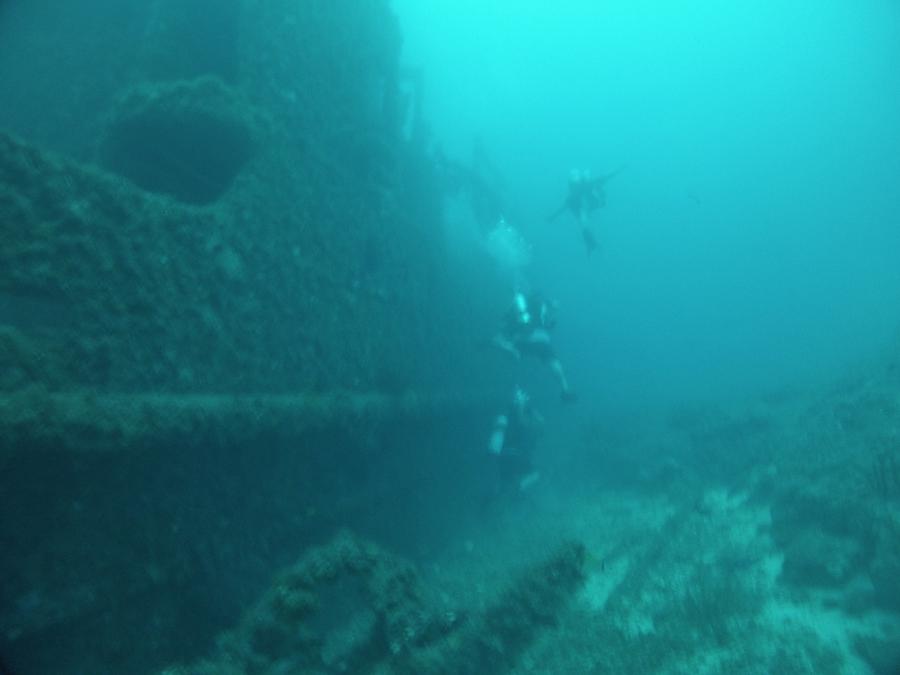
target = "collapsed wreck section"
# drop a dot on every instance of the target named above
(350, 606)
(227, 323)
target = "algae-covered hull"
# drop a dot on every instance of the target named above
(222, 295)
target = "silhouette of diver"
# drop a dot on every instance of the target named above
(586, 195)
(512, 444)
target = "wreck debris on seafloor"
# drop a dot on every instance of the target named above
(350, 606)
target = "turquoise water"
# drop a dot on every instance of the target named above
(751, 242)
(266, 267)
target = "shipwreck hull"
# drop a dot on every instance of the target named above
(228, 325)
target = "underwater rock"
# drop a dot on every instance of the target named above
(882, 655)
(187, 139)
(825, 535)
(350, 606)
(816, 558)
(330, 588)
(493, 641)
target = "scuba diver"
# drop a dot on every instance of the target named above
(526, 331)
(513, 441)
(586, 195)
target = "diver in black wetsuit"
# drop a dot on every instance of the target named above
(586, 195)
(526, 331)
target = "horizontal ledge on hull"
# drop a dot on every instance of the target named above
(90, 421)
